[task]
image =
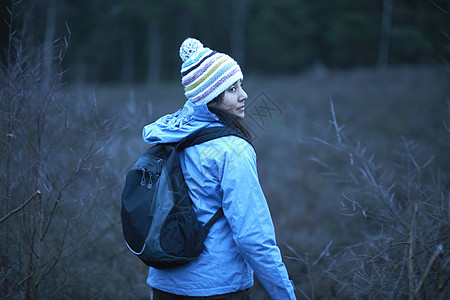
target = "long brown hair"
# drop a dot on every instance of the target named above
(227, 118)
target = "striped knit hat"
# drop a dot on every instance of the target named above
(206, 73)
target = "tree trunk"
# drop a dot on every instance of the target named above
(154, 52)
(237, 33)
(385, 34)
(50, 28)
(128, 54)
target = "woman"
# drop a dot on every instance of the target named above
(219, 173)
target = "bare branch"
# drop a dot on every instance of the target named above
(20, 207)
(324, 252)
(436, 253)
(335, 124)
(440, 8)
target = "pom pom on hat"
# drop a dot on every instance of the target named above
(206, 73)
(189, 48)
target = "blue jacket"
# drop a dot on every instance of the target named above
(222, 173)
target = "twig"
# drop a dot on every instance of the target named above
(306, 262)
(20, 207)
(336, 126)
(427, 270)
(440, 8)
(324, 252)
(411, 254)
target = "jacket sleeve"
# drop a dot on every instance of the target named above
(247, 212)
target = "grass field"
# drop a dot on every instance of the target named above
(360, 204)
(303, 179)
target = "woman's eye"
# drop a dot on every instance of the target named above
(232, 89)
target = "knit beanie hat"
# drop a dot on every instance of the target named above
(205, 73)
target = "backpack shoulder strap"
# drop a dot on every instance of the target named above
(203, 135)
(217, 216)
(206, 134)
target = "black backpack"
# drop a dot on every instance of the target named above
(158, 221)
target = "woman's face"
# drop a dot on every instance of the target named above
(233, 100)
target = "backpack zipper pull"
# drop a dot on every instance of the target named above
(143, 177)
(150, 182)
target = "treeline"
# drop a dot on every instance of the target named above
(137, 40)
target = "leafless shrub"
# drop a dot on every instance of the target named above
(51, 157)
(401, 211)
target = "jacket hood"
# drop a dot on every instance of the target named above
(174, 127)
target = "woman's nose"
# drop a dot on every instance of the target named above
(243, 95)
